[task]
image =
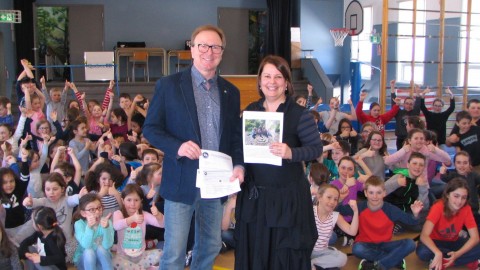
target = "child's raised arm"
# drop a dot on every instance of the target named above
(78, 95)
(108, 97)
(350, 228)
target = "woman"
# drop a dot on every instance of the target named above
(275, 226)
(440, 242)
(373, 152)
(374, 115)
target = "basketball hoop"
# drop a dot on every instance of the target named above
(339, 35)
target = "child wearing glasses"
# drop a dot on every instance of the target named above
(94, 234)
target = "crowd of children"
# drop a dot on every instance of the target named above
(408, 189)
(81, 185)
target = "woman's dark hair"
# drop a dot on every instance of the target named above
(5, 244)
(383, 150)
(83, 202)
(120, 113)
(92, 177)
(282, 66)
(47, 218)
(344, 120)
(55, 177)
(3, 172)
(129, 189)
(147, 172)
(451, 186)
(128, 150)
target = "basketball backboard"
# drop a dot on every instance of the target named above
(354, 18)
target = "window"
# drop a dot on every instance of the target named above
(361, 46)
(405, 42)
(474, 56)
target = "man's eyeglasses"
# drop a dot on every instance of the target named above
(93, 210)
(438, 105)
(408, 103)
(203, 48)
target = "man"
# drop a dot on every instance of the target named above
(410, 107)
(193, 110)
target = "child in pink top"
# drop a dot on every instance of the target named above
(130, 223)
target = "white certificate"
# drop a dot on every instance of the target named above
(260, 129)
(213, 175)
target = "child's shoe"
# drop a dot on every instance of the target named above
(366, 265)
(188, 258)
(402, 265)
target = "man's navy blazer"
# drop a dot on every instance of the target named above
(172, 120)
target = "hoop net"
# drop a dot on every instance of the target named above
(339, 35)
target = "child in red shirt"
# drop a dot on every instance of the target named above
(440, 241)
(373, 243)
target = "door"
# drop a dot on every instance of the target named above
(3, 72)
(234, 22)
(86, 34)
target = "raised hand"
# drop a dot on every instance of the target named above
(24, 141)
(151, 193)
(363, 95)
(443, 169)
(353, 205)
(28, 201)
(421, 181)
(449, 92)
(53, 115)
(10, 160)
(416, 207)
(154, 210)
(104, 220)
(137, 218)
(82, 192)
(91, 221)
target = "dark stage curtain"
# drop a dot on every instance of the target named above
(278, 30)
(24, 32)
